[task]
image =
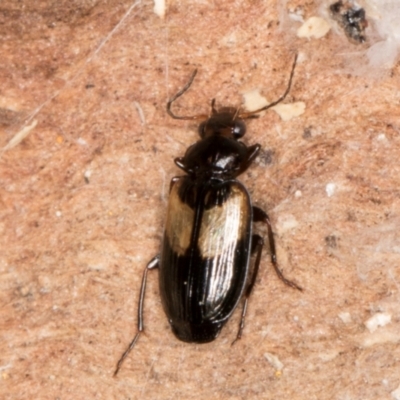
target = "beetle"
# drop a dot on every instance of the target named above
(204, 265)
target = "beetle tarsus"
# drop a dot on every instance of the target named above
(126, 352)
(151, 265)
(242, 320)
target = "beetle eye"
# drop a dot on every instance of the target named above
(239, 129)
(201, 129)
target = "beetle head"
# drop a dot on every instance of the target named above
(225, 122)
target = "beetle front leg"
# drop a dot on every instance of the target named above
(172, 183)
(252, 153)
(261, 216)
(154, 263)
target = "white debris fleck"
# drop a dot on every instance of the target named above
(229, 40)
(330, 189)
(58, 213)
(380, 337)
(291, 110)
(314, 27)
(87, 174)
(4, 367)
(140, 112)
(296, 17)
(328, 356)
(345, 317)
(377, 320)
(159, 8)
(253, 100)
(287, 223)
(396, 393)
(274, 361)
(298, 193)
(386, 23)
(20, 136)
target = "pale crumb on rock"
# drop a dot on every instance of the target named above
(5, 376)
(298, 193)
(159, 8)
(345, 317)
(287, 223)
(20, 136)
(295, 16)
(140, 112)
(381, 337)
(274, 361)
(330, 189)
(377, 320)
(396, 393)
(314, 27)
(328, 356)
(229, 40)
(289, 111)
(25, 290)
(253, 100)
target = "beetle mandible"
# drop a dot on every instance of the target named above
(208, 238)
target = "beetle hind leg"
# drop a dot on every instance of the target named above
(154, 263)
(261, 216)
(256, 247)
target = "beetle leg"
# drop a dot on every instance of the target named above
(154, 263)
(261, 216)
(173, 181)
(257, 245)
(252, 153)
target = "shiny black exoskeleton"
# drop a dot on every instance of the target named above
(208, 240)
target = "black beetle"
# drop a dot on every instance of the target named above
(208, 239)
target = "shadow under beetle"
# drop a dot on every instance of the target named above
(208, 239)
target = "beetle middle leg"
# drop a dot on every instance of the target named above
(257, 245)
(154, 263)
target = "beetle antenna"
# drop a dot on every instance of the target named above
(250, 114)
(179, 94)
(236, 114)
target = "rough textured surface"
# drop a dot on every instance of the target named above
(83, 197)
